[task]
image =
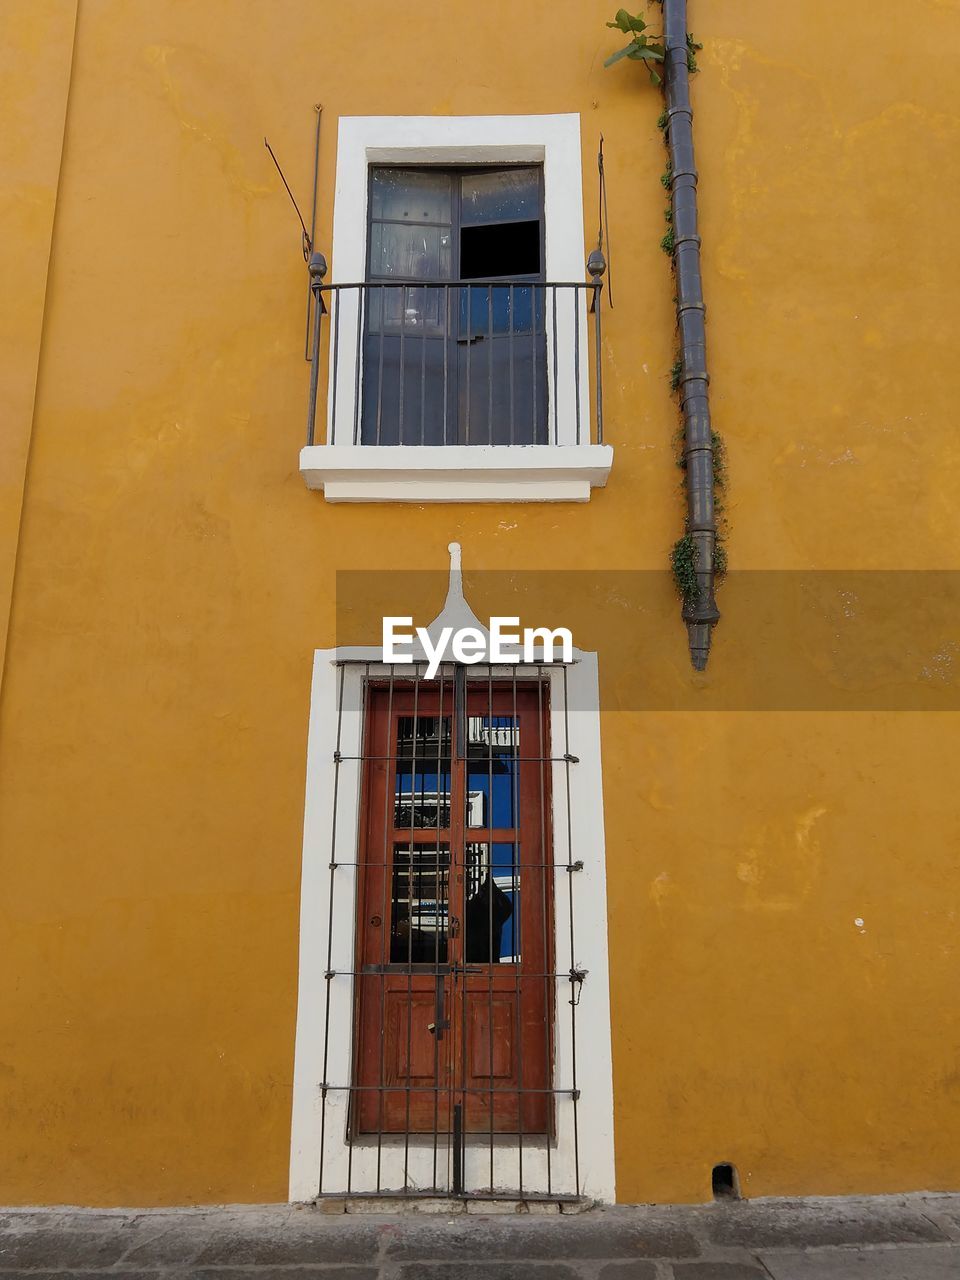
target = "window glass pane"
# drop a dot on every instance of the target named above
(414, 194)
(492, 909)
(493, 745)
(420, 897)
(409, 253)
(422, 782)
(502, 195)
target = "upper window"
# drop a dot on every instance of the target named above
(451, 357)
(456, 334)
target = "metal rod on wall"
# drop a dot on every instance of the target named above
(318, 108)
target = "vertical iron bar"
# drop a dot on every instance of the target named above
(555, 397)
(575, 294)
(439, 1010)
(490, 969)
(519, 897)
(598, 286)
(403, 370)
(413, 811)
(423, 358)
(386, 918)
(446, 358)
(457, 1149)
(382, 294)
(549, 956)
(489, 439)
(353, 1102)
(314, 369)
(462, 732)
(313, 224)
(324, 1082)
(536, 344)
(335, 300)
(511, 304)
(573, 993)
(469, 349)
(460, 711)
(359, 362)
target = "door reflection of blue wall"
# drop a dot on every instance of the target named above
(422, 800)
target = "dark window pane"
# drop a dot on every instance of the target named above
(505, 249)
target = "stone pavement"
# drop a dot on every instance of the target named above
(913, 1237)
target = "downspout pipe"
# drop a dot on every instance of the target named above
(699, 612)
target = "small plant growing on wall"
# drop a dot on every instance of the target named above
(642, 48)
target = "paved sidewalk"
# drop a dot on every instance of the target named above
(880, 1238)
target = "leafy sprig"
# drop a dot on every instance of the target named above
(642, 48)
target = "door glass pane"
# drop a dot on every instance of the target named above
(415, 194)
(492, 908)
(501, 195)
(420, 896)
(493, 747)
(422, 782)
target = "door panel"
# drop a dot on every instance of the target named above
(512, 1097)
(502, 370)
(454, 998)
(490, 1030)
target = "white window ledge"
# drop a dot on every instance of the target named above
(456, 473)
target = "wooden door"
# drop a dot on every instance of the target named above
(454, 951)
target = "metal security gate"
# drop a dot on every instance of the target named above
(456, 989)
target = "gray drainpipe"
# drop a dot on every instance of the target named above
(700, 614)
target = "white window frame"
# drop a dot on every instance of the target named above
(580, 784)
(562, 471)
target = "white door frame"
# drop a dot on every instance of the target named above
(331, 826)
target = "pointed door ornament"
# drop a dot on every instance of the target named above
(456, 613)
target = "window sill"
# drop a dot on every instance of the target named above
(456, 473)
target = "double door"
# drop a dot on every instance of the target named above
(454, 345)
(454, 936)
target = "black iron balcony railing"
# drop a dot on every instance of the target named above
(504, 362)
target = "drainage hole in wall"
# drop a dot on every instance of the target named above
(726, 1182)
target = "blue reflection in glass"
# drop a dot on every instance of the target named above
(493, 771)
(493, 903)
(493, 311)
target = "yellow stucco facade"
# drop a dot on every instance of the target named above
(167, 577)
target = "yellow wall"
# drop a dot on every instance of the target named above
(36, 52)
(174, 576)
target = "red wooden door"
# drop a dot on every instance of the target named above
(454, 993)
